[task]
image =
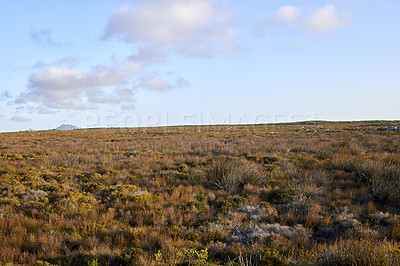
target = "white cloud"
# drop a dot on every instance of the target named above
(156, 84)
(61, 87)
(325, 19)
(5, 94)
(128, 107)
(181, 83)
(160, 84)
(67, 61)
(44, 111)
(44, 37)
(288, 13)
(196, 27)
(147, 54)
(18, 118)
(315, 20)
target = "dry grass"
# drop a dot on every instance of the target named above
(323, 194)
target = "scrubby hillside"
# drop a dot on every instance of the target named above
(324, 193)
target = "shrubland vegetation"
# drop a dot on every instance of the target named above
(309, 194)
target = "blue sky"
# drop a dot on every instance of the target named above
(167, 62)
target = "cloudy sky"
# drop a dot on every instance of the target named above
(167, 62)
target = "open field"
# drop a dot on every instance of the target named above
(323, 193)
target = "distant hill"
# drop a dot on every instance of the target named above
(67, 127)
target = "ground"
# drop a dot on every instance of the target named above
(302, 193)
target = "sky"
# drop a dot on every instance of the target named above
(130, 63)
